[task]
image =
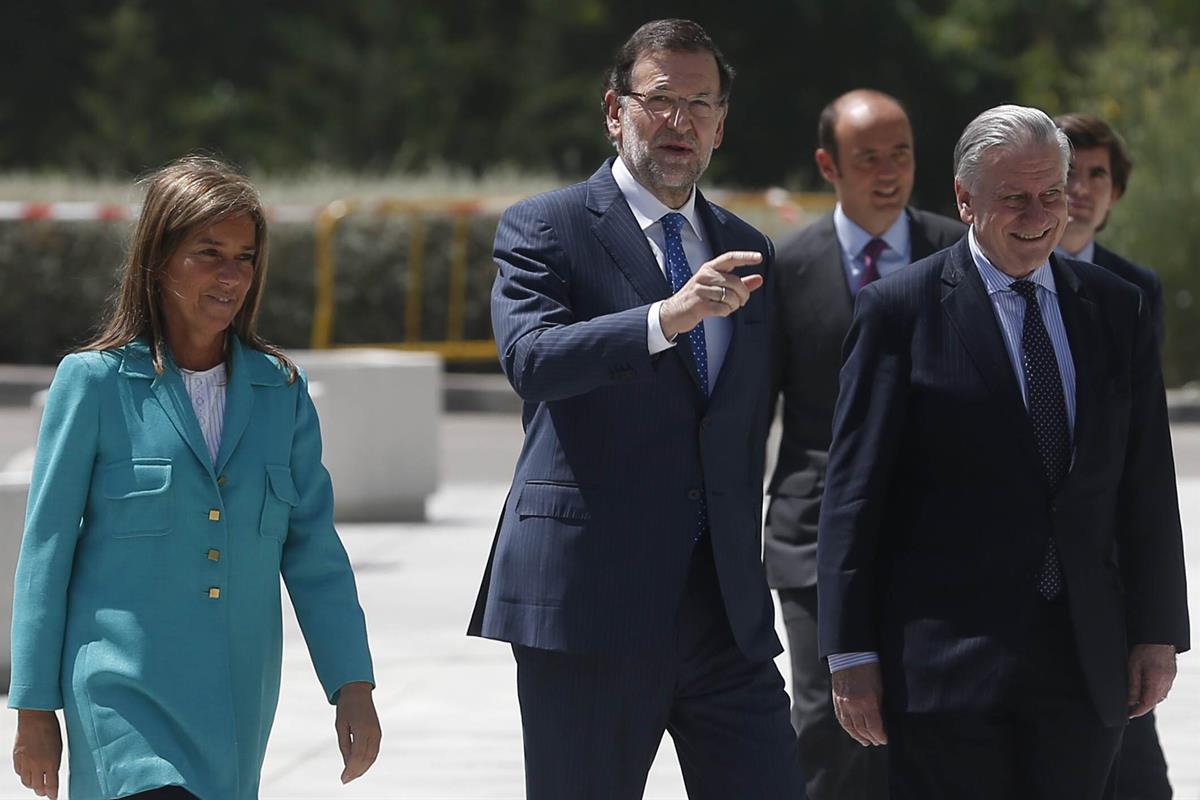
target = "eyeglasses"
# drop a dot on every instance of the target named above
(662, 103)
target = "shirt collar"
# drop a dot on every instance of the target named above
(997, 281)
(853, 238)
(1086, 254)
(648, 209)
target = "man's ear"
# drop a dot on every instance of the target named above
(1116, 195)
(962, 198)
(612, 115)
(826, 164)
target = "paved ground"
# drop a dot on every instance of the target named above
(451, 725)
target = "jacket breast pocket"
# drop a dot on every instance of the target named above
(553, 501)
(279, 499)
(138, 495)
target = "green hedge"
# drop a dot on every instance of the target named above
(56, 279)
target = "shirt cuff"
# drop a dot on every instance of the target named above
(655, 337)
(841, 661)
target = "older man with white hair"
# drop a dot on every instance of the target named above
(1000, 566)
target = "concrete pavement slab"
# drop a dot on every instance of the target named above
(448, 703)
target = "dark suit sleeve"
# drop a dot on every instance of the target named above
(1151, 537)
(1154, 298)
(777, 314)
(546, 350)
(866, 439)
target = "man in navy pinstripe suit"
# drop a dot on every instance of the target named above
(1000, 560)
(626, 570)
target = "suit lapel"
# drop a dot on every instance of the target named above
(239, 403)
(621, 236)
(966, 303)
(821, 281)
(625, 242)
(172, 397)
(919, 243)
(1081, 318)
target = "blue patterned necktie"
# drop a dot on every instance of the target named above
(1048, 412)
(679, 273)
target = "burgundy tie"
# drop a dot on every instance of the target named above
(870, 255)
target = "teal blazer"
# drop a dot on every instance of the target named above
(147, 601)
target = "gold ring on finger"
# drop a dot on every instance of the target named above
(722, 298)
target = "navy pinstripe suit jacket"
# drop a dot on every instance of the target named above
(936, 511)
(594, 542)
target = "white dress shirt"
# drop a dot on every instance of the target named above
(648, 210)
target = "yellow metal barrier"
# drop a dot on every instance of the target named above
(775, 211)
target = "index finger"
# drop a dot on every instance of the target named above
(735, 258)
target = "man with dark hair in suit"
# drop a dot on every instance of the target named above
(1000, 530)
(866, 152)
(1100, 170)
(1099, 174)
(626, 569)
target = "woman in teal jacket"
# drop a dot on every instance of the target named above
(178, 474)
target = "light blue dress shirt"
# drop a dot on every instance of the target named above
(853, 240)
(1086, 254)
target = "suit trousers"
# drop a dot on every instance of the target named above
(592, 724)
(1142, 769)
(1046, 743)
(835, 766)
(162, 793)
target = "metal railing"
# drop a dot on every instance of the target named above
(774, 211)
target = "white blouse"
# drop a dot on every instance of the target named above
(207, 391)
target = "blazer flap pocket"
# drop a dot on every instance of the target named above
(552, 500)
(137, 477)
(280, 479)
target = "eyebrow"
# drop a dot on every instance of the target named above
(209, 240)
(665, 87)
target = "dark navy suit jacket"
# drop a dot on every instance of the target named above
(936, 512)
(1139, 276)
(621, 447)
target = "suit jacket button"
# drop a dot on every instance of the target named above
(693, 494)
(221, 480)
(214, 555)
(214, 515)
(214, 593)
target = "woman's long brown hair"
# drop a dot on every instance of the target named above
(194, 192)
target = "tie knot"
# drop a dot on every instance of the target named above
(1027, 289)
(672, 223)
(874, 248)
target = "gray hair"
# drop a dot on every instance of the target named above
(1008, 127)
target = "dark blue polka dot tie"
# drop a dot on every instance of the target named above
(1048, 412)
(680, 273)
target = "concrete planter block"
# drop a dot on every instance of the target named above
(380, 415)
(14, 492)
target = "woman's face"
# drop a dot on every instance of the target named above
(206, 279)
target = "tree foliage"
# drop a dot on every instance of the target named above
(114, 87)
